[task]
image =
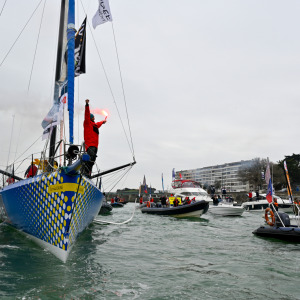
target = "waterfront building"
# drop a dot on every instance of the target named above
(225, 175)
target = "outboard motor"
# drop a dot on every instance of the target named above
(284, 218)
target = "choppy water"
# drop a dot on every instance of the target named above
(155, 257)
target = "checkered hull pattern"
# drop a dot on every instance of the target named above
(54, 208)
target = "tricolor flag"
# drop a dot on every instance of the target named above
(269, 196)
(103, 14)
(145, 185)
(79, 51)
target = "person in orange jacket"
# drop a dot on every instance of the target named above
(91, 138)
(31, 171)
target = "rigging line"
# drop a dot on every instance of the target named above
(109, 85)
(114, 223)
(20, 34)
(120, 178)
(37, 41)
(21, 161)
(30, 146)
(12, 129)
(3, 7)
(110, 88)
(18, 141)
(114, 179)
(78, 121)
(113, 175)
(122, 84)
(78, 85)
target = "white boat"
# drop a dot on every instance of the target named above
(189, 188)
(226, 208)
(262, 203)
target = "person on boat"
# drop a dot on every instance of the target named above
(91, 138)
(141, 200)
(215, 200)
(31, 171)
(250, 196)
(176, 202)
(224, 191)
(163, 201)
(186, 199)
(257, 195)
(275, 204)
(10, 180)
(212, 190)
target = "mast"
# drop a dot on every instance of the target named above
(71, 66)
(57, 77)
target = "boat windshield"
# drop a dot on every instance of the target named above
(185, 184)
(193, 194)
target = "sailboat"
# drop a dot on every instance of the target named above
(54, 206)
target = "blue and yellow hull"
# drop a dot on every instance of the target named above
(52, 209)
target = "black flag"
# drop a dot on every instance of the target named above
(80, 40)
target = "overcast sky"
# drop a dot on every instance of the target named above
(206, 82)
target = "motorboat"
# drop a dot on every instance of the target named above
(194, 209)
(105, 209)
(226, 208)
(189, 188)
(278, 227)
(262, 203)
(117, 204)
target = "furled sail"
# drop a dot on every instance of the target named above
(53, 117)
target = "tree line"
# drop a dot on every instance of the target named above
(254, 174)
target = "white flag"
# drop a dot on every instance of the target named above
(103, 14)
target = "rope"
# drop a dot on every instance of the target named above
(12, 128)
(37, 41)
(3, 7)
(109, 85)
(19, 34)
(116, 180)
(123, 90)
(115, 223)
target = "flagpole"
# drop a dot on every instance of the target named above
(289, 188)
(270, 190)
(140, 189)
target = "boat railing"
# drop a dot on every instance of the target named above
(17, 170)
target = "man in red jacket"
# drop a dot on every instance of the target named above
(91, 137)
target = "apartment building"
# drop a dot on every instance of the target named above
(226, 174)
